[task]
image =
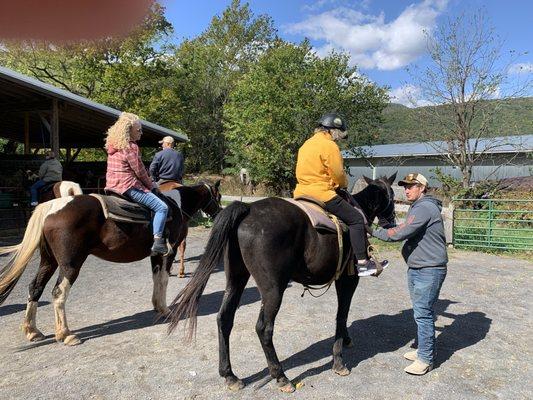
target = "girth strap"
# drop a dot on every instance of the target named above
(340, 264)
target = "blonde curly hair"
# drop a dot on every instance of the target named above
(118, 135)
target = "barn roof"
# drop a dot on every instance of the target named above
(82, 122)
(496, 145)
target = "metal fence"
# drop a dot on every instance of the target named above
(498, 224)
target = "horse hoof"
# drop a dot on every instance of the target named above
(34, 336)
(72, 340)
(348, 343)
(287, 388)
(165, 312)
(342, 371)
(234, 384)
(181, 275)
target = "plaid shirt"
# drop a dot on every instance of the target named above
(125, 170)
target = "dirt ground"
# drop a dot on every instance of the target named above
(484, 338)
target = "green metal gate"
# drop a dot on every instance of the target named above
(499, 224)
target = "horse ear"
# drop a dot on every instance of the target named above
(392, 178)
(367, 180)
(217, 184)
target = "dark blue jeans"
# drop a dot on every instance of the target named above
(424, 287)
(34, 190)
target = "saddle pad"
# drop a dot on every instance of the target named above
(318, 217)
(122, 210)
(174, 195)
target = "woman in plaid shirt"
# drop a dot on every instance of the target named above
(127, 175)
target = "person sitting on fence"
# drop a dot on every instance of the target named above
(127, 175)
(50, 171)
(426, 256)
(167, 164)
(320, 172)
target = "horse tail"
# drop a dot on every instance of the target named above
(185, 305)
(69, 188)
(21, 254)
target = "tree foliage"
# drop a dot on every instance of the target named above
(275, 106)
(207, 69)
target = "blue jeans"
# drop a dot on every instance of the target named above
(424, 287)
(155, 204)
(34, 190)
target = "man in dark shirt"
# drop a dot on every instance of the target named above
(167, 164)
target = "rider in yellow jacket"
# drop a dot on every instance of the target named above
(320, 173)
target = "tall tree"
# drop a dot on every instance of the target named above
(275, 106)
(466, 71)
(207, 69)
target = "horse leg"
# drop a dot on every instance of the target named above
(46, 270)
(235, 284)
(271, 302)
(160, 273)
(345, 287)
(181, 272)
(67, 277)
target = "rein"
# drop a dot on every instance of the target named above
(211, 199)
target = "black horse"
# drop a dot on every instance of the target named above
(274, 241)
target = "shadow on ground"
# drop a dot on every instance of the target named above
(15, 308)
(384, 334)
(209, 304)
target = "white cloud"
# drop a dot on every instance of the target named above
(372, 42)
(521, 68)
(408, 95)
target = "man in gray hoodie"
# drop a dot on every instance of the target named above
(426, 256)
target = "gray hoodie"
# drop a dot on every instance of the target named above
(51, 170)
(424, 230)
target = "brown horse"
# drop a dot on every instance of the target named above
(165, 187)
(59, 189)
(68, 229)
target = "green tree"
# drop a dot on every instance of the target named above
(275, 106)
(207, 69)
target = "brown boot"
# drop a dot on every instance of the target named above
(418, 368)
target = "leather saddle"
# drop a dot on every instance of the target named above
(120, 208)
(46, 188)
(315, 211)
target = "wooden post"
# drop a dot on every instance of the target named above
(54, 134)
(26, 133)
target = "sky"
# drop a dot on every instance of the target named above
(382, 37)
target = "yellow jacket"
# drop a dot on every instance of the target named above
(319, 168)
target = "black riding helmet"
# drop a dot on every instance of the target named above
(333, 121)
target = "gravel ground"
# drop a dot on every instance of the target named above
(484, 343)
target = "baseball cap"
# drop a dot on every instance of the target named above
(167, 139)
(413, 178)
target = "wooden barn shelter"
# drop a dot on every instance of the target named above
(41, 115)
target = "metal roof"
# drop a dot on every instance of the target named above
(496, 145)
(82, 122)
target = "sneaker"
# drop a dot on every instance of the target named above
(411, 355)
(34, 204)
(159, 248)
(418, 368)
(370, 267)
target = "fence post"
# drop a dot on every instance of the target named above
(490, 222)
